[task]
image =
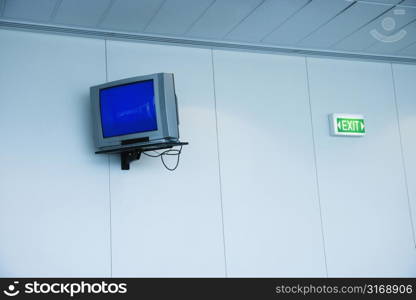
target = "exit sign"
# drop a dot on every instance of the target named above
(347, 125)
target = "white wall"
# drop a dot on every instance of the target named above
(271, 208)
(54, 217)
(362, 185)
(405, 89)
(164, 223)
(262, 189)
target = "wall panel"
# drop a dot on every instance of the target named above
(169, 223)
(271, 209)
(361, 179)
(54, 201)
(404, 78)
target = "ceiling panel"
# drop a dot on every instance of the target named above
(311, 17)
(367, 36)
(409, 51)
(131, 15)
(349, 21)
(39, 10)
(81, 12)
(409, 2)
(267, 17)
(222, 17)
(380, 1)
(176, 16)
(392, 48)
(343, 26)
(2, 4)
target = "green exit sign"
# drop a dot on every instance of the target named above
(347, 125)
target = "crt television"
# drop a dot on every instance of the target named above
(137, 110)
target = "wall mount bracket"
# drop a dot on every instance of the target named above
(132, 153)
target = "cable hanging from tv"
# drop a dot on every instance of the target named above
(130, 153)
(172, 152)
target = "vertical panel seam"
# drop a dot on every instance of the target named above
(219, 164)
(402, 156)
(109, 176)
(316, 165)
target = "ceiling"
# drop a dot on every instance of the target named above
(373, 27)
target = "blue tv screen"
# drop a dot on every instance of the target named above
(128, 108)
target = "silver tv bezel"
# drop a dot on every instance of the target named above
(160, 84)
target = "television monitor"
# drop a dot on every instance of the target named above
(137, 110)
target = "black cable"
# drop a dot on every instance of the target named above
(176, 152)
(157, 155)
